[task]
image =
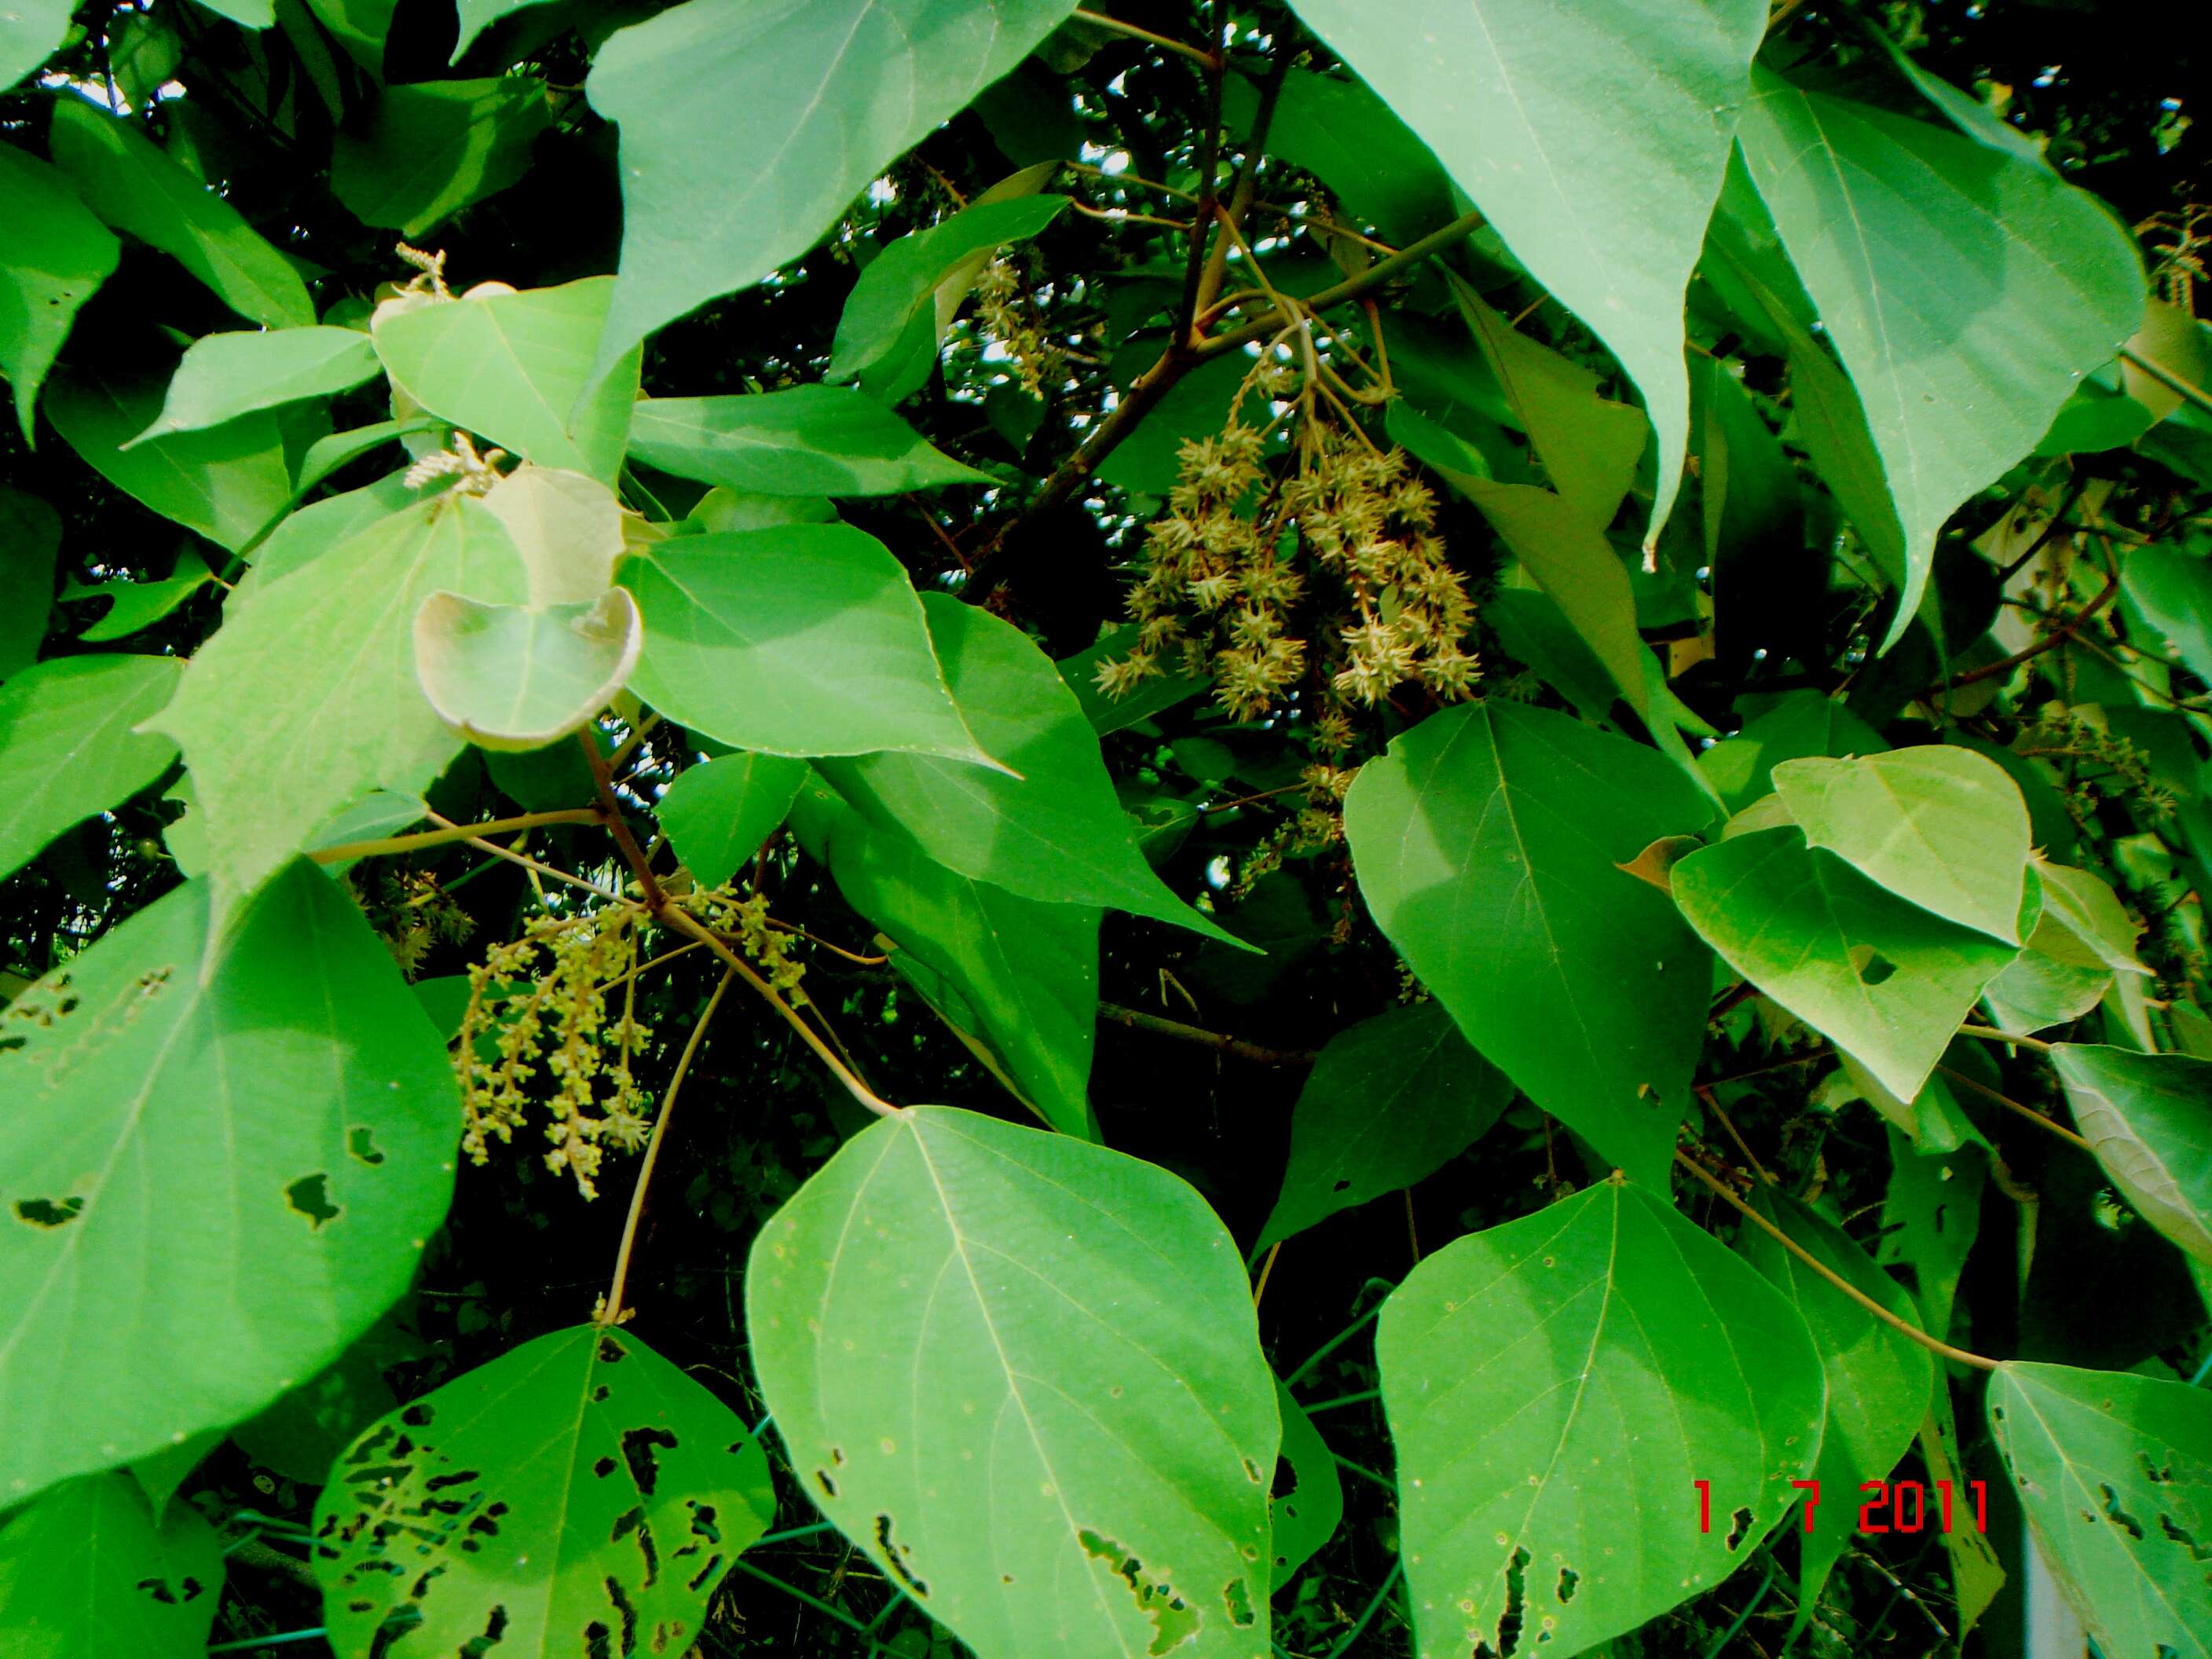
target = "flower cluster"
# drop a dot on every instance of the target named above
(1003, 311)
(410, 913)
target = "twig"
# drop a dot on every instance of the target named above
(1114, 25)
(1259, 1288)
(2011, 1105)
(1139, 1020)
(1705, 1092)
(1989, 1035)
(389, 844)
(2166, 377)
(610, 814)
(1905, 1326)
(2058, 637)
(611, 1315)
(529, 864)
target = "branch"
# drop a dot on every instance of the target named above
(388, 844)
(610, 814)
(1116, 26)
(1138, 1020)
(2058, 637)
(1905, 1326)
(612, 1312)
(2028, 1112)
(2166, 377)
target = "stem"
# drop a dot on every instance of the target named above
(1141, 1021)
(530, 864)
(612, 1316)
(1990, 1035)
(1114, 25)
(610, 814)
(307, 1635)
(1333, 1344)
(1721, 1188)
(2166, 377)
(2058, 637)
(1375, 276)
(2028, 1112)
(1359, 1626)
(1266, 1268)
(1704, 1093)
(388, 844)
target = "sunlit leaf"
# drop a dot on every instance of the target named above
(86, 1572)
(68, 748)
(58, 255)
(223, 376)
(2149, 1119)
(428, 150)
(716, 815)
(29, 31)
(805, 440)
(518, 677)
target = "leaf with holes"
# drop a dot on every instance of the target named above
(716, 815)
(132, 606)
(87, 1572)
(805, 440)
(821, 93)
(1390, 1101)
(2114, 1472)
(1594, 144)
(1885, 980)
(803, 639)
(1554, 1380)
(579, 1494)
(1489, 844)
(1878, 1379)
(1306, 1515)
(1966, 288)
(1022, 1373)
(68, 747)
(2149, 1119)
(1052, 829)
(58, 256)
(517, 368)
(517, 677)
(1940, 826)
(225, 1154)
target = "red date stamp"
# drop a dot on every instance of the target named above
(1895, 1506)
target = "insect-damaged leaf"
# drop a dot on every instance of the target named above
(577, 1495)
(1489, 844)
(58, 256)
(2149, 1119)
(1022, 1373)
(87, 1573)
(1306, 1516)
(225, 1153)
(1554, 1381)
(2115, 1474)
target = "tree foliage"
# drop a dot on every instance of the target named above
(1285, 827)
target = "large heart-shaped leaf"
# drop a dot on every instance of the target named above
(1053, 829)
(223, 376)
(517, 369)
(819, 93)
(1797, 723)
(132, 186)
(516, 676)
(1489, 844)
(58, 255)
(224, 1155)
(802, 640)
(68, 746)
(1886, 980)
(1561, 1377)
(805, 440)
(2114, 1472)
(1388, 1103)
(1594, 137)
(87, 1572)
(428, 150)
(316, 678)
(1022, 1372)
(2149, 1119)
(1966, 289)
(567, 528)
(579, 1494)
(29, 30)
(1938, 825)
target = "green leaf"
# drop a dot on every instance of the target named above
(1339, 131)
(1306, 1516)
(1390, 1101)
(1109, 715)
(2149, 1119)
(1966, 290)
(716, 815)
(1794, 725)
(1941, 827)
(567, 528)
(1931, 1213)
(359, 26)
(1522, 1363)
(318, 527)
(888, 334)
(228, 482)
(223, 376)
(1596, 151)
(1886, 980)
(572, 1495)
(133, 605)
(68, 749)
(30, 30)
(2172, 591)
(1878, 1379)
(58, 256)
(247, 13)
(1016, 976)
(2081, 940)
(314, 681)
(807, 640)
(225, 1154)
(805, 440)
(1488, 844)
(1053, 829)
(820, 95)
(1022, 1373)
(430, 149)
(517, 368)
(135, 188)
(30, 540)
(517, 677)
(477, 15)
(2115, 1474)
(87, 1573)
(302, 1433)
